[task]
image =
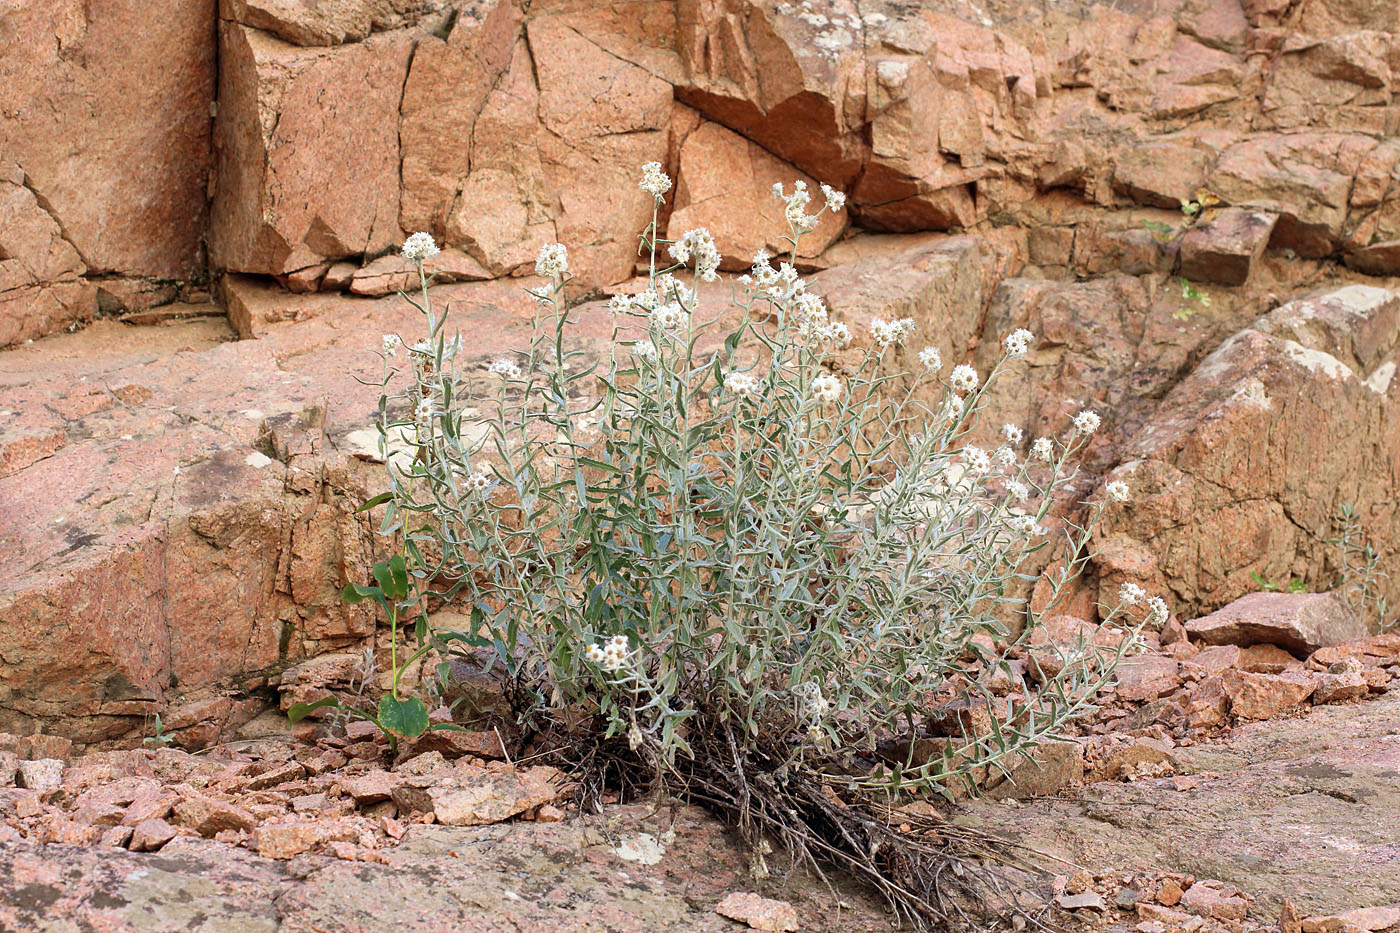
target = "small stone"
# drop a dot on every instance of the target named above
(281, 774)
(371, 787)
(1169, 894)
(1078, 883)
(426, 763)
(288, 840)
(1267, 659)
(472, 797)
(548, 813)
(1127, 898)
(1227, 247)
(9, 768)
(364, 750)
(1146, 910)
(150, 835)
(1341, 687)
(42, 775)
(760, 913)
(1088, 900)
(209, 817)
(453, 744)
(361, 731)
(117, 836)
(1216, 900)
(1263, 696)
(309, 803)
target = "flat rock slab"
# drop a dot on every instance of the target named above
(1300, 622)
(540, 877)
(1307, 809)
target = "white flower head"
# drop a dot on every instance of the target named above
(839, 334)
(654, 181)
(645, 349)
(392, 342)
(419, 247)
(1005, 456)
(424, 412)
(826, 388)
(1018, 342)
(795, 205)
(1043, 449)
(952, 408)
(931, 359)
(1157, 611)
(1013, 434)
(553, 261)
(741, 384)
(619, 304)
(835, 200)
(891, 333)
(506, 369)
(670, 316)
(963, 379)
(976, 459)
(1018, 490)
(1087, 422)
(700, 245)
(1130, 594)
(478, 482)
(1117, 491)
(1025, 525)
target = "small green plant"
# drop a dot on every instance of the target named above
(398, 716)
(1270, 586)
(158, 737)
(1193, 210)
(1361, 575)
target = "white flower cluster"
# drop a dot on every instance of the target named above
(1086, 422)
(1018, 342)
(1117, 491)
(1013, 434)
(891, 333)
(698, 244)
(795, 206)
(645, 349)
(931, 359)
(776, 285)
(1043, 449)
(741, 384)
(419, 247)
(478, 482)
(838, 333)
(670, 316)
(553, 261)
(826, 388)
(392, 342)
(1018, 490)
(835, 200)
(424, 412)
(963, 379)
(976, 459)
(1025, 525)
(654, 181)
(612, 655)
(1130, 594)
(1157, 611)
(506, 369)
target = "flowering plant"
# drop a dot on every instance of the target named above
(735, 531)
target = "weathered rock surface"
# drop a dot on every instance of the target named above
(557, 876)
(308, 150)
(1288, 808)
(1243, 467)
